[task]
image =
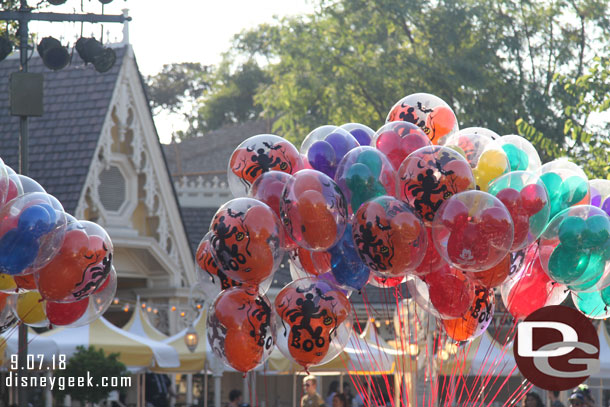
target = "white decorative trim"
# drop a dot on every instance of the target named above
(202, 193)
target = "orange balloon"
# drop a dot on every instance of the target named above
(494, 276)
(26, 282)
(247, 320)
(441, 122)
(319, 228)
(262, 223)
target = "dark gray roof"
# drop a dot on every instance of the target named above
(63, 140)
(197, 223)
(211, 152)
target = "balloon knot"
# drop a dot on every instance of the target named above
(307, 371)
(244, 375)
(359, 292)
(553, 282)
(50, 326)
(40, 300)
(567, 290)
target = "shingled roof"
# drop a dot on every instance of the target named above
(210, 153)
(63, 140)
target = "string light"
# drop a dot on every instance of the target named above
(143, 305)
(198, 306)
(149, 309)
(183, 314)
(156, 311)
(126, 308)
(115, 301)
(387, 322)
(173, 308)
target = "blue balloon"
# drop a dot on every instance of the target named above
(36, 221)
(346, 266)
(322, 157)
(361, 137)
(341, 143)
(18, 251)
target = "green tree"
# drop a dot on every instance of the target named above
(493, 62)
(91, 362)
(584, 101)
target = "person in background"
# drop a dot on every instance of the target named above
(339, 400)
(584, 391)
(347, 391)
(577, 399)
(234, 398)
(311, 398)
(332, 390)
(532, 399)
(554, 398)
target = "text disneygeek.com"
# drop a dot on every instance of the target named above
(61, 382)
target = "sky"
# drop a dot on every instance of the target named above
(168, 31)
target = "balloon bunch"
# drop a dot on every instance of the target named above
(454, 214)
(54, 269)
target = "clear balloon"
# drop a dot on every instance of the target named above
(5, 184)
(531, 288)
(591, 304)
(257, 155)
(29, 308)
(493, 276)
(399, 139)
(575, 248)
(566, 184)
(209, 276)
(451, 292)
(268, 189)
(241, 328)
(427, 111)
(7, 317)
(29, 185)
(326, 146)
(521, 154)
(363, 134)
(99, 301)
(246, 240)
(306, 263)
(31, 232)
(485, 156)
(473, 231)
(390, 238)
(526, 198)
(431, 175)
(314, 210)
(81, 265)
(482, 131)
(365, 173)
(314, 321)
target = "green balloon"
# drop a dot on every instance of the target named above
(571, 230)
(517, 158)
(592, 274)
(573, 190)
(552, 182)
(566, 265)
(605, 294)
(597, 232)
(357, 177)
(371, 159)
(590, 304)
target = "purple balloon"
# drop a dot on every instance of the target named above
(341, 144)
(362, 137)
(596, 198)
(606, 206)
(322, 157)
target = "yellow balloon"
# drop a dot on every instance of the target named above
(31, 308)
(491, 165)
(7, 283)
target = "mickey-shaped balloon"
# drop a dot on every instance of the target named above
(315, 321)
(398, 139)
(475, 320)
(326, 146)
(241, 328)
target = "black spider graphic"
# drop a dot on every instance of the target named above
(368, 245)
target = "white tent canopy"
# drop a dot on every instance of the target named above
(135, 351)
(492, 358)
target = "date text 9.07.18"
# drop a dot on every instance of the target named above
(39, 362)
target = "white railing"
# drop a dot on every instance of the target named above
(202, 192)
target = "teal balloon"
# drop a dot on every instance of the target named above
(605, 294)
(592, 274)
(597, 232)
(566, 265)
(571, 231)
(358, 176)
(573, 190)
(552, 182)
(371, 159)
(517, 158)
(591, 304)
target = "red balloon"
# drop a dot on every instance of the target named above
(61, 314)
(26, 282)
(451, 292)
(206, 262)
(494, 276)
(432, 260)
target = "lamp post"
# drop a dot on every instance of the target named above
(191, 338)
(23, 16)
